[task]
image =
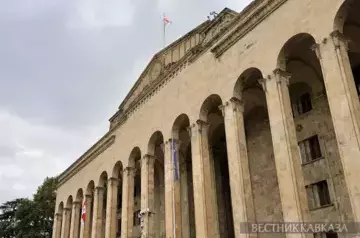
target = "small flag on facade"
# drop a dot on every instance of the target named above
(83, 212)
(175, 160)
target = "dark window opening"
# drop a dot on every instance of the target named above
(137, 190)
(302, 105)
(310, 149)
(330, 234)
(356, 73)
(118, 232)
(318, 194)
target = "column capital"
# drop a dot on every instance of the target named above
(88, 196)
(58, 215)
(113, 181)
(234, 103)
(280, 76)
(130, 171)
(76, 203)
(149, 158)
(177, 142)
(66, 209)
(339, 39)
(99, 188)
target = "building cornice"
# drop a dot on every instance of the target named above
(105, 142)
(249, 18)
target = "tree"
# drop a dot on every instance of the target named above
(25, 218)
(8, 218)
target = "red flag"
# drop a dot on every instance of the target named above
(166, 20)
(83, 212)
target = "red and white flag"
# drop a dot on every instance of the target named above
(166, 20)
(83, 212)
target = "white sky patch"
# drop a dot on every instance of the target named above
(165, 5)
(39, 151)
(10, 171)
(237, 5)
(102, 13)
(18, 186)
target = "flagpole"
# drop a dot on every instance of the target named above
(164, 29)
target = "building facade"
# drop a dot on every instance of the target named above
(250, 117)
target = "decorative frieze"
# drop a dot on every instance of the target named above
(246, 22)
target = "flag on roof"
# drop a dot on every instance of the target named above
(166, 20)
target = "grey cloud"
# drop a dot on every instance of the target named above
(65, 66)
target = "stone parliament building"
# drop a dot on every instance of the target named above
(250, 117)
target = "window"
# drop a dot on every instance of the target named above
(136, 218)
(318, 194)
(310, 149)
(303, 104)
(330, 234)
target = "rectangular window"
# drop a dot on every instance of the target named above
(310, 149)
(318, 194)
(136, 218)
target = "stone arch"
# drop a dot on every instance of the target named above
(181, 122)
(133, 198)
(219, 180)
(249, 89)
(135, 155)
(60, 208)
(343, 13)
(299, 59)
(249, 78)
(103, 179)
(90, 188)
(210, 105)
(156, 149)
(117, 170)
(347, 21)
(291, 47)
(69, 202)
(183, 187)
(79, 195)
(313, 126)
(156, 139)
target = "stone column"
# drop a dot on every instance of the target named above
(205, 215)
(97, 220)
(240, 182)
(86, 228)
(345, 110)
(127, 202)
(75, 220)
(65, 230)
(111, 208)
(147, 196)
(57, 225)
(172, 189)
(285, 145)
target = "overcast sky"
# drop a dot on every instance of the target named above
(65, 66)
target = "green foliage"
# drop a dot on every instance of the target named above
(25, 218)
